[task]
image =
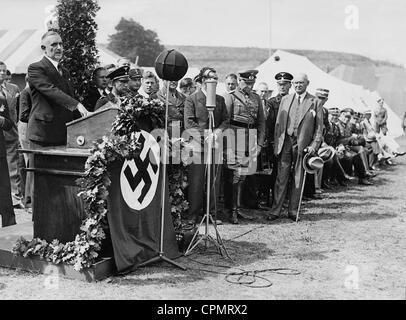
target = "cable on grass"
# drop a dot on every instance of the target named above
(243, 277)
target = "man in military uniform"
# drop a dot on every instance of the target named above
(119, 78)
(134, 84)
(284, 82)
(247, 120)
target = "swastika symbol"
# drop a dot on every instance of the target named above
(142, 173)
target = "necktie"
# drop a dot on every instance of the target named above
(59, 69)
(297, 115)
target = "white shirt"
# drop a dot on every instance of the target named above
(54, 63)
(302, 96)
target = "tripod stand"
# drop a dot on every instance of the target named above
(206, 237)
(161, 256)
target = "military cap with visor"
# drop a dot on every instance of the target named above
(283, 77)
(248, 76)
(119, 73)
(135, 73)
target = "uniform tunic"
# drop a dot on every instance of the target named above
(246, 113)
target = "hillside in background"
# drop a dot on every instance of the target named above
(234, 59)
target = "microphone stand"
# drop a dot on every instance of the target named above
(206, 237)
(161, 255)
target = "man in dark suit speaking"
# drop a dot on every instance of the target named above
(52, 96)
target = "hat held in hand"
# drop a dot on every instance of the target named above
(311, 164)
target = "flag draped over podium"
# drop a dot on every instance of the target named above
(134, 208)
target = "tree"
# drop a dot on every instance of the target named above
(132, 40)
(77, 28)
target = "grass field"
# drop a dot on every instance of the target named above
(349, 245)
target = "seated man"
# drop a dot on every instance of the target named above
(333, 172)
(377, 153)
(348, 157)
(358, 144)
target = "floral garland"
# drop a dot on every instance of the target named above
(83, 251)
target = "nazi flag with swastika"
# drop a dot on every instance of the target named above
(134, 208)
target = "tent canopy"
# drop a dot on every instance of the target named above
(20, 48)
(342, 94)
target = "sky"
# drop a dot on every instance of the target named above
(373, 28)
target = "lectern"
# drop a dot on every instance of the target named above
(57, 210)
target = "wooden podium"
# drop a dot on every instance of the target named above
(57, 210)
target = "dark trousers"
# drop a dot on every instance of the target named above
(289, 161)
(356, 163)
(6, 204)
(227, 187)
(197, 189)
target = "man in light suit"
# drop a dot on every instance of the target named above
(298, 129)
(52, 96)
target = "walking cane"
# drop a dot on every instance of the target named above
(301, 195)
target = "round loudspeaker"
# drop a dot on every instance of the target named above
(171, 65)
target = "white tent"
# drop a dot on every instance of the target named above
(20, 48)
(342, 94)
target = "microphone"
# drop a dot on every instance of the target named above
(211, 93)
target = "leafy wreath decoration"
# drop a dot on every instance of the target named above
(84, 250)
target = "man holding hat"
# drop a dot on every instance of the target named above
(247, 120)
(284, 83)
(119, 80)
(298, 130)
(134, 84)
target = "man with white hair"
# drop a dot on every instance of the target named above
(52, 96)
(298, 130)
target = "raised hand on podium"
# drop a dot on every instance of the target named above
(83, 111)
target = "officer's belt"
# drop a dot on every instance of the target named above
(241, 124)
